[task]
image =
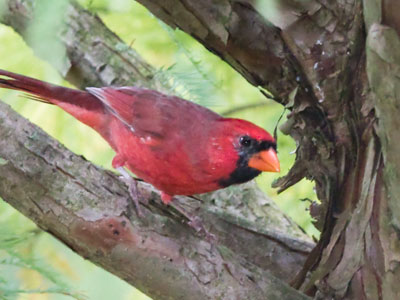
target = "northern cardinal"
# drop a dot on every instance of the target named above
(181, 148)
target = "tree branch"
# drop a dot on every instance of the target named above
(95, 56)
(237, 33)
(243, 107)
(87, 208)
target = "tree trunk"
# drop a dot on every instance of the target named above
(335, 65)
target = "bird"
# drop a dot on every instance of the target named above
(178, 146)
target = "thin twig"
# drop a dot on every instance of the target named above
(240, 108)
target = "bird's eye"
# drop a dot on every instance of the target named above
(245, 141)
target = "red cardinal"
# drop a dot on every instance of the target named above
(179, 147)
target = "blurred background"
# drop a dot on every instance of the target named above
(34, 265)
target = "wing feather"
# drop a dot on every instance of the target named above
(149, 113)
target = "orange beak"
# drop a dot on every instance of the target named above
(266, 161)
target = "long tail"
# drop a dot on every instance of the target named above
(80, 104)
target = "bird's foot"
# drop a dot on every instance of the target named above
(133, 190)
(196, 223)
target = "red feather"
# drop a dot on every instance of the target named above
(178, 146)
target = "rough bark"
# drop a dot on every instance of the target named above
(88, 210)
(335, 65)
(237, 33)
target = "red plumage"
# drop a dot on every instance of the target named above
(176, 145)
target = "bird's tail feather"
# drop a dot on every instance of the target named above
(36, 89)
(81, 104)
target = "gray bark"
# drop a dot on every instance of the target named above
(90, 211)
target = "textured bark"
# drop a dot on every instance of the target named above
(237, 33)
(335, 65)
(87, 208)
(95, 56)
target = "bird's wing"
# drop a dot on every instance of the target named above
(148, 113)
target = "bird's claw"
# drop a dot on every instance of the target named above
(197, 224)
(135, 197)
(133, 190)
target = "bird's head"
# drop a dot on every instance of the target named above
(253, 149)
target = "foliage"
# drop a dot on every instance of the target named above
(18, 262)
(193, 73)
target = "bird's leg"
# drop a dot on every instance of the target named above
(132, 187)
(118, 163)
(194, 221)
